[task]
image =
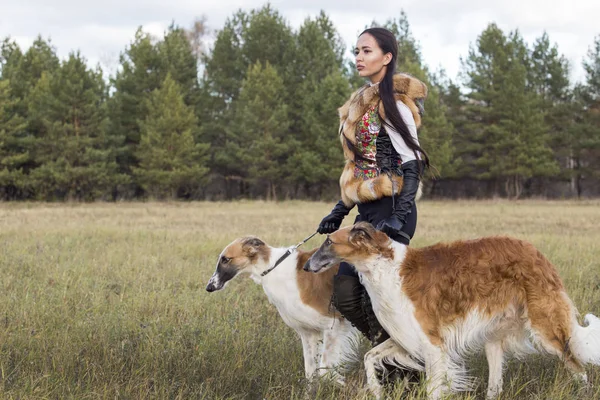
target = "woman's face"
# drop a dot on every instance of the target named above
(370, 61)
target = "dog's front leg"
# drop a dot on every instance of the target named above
(310, 349)
(338, 346)
(436, 369)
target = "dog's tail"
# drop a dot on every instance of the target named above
(585, 342)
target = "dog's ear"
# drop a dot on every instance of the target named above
(362, 234)
(252, 245)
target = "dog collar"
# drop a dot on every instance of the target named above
(286, 255)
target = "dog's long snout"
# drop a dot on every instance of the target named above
(214, 283)
(306, 265)
(210, 287)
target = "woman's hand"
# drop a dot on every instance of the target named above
(332, 222)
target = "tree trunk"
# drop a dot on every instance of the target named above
(571, 166)
(495, 186)
(274, 189)
(518, 187)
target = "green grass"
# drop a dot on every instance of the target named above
(107, 301)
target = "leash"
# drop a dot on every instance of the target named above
(286, 254)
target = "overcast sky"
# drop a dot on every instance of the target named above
(444, 28)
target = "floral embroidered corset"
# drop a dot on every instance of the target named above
(367, 131)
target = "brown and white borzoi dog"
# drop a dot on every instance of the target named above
(441, 301)
(302, 299)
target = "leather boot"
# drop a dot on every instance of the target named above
(348, 295)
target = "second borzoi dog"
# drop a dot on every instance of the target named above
(302, 299)
(441, 301)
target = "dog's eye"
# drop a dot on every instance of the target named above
(328, 242)
(225, 260)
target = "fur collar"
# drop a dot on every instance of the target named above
(356, 190)
(407, 89)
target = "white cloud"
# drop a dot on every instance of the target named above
(444, 28)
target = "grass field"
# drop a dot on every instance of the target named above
(107, 301)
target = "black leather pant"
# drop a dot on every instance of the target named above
(349, 296)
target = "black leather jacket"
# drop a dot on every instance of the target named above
(388, 160)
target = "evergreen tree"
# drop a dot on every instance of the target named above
(24, 71)
(317, 158)
(171, 163)
(75, 161)
(321, 89)
(409, 50)
(592, 71)
(224, 70)
(12, 125)
(139, 75)
(10, 58)
(508, 141)
(435, 135)
(248, 38)
(549, 79)
(261, 35)
(268, 38)
(549, 72)
(259, 145)
(177, 58)
(584, 135)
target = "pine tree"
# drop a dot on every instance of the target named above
(321, 89)
(549, 72)
(317, 159)
(549, 79)
(177, 58)
(258, 145)
(224, 69)
(23, 72)
(262, 36)
(75, 159)
(508, 140)
(12, 125)
(592, 71)
(139, 75)
(435, 135)
(10, 58)
(171, 163)
(584, 135)
(409, 50)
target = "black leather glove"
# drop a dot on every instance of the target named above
(403, 202)
(332, 222)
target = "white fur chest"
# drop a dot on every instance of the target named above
(282, 290)
(393, 308)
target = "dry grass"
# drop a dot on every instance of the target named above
(107, 301)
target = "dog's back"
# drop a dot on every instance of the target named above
(448, 281)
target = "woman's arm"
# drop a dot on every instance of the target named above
(411, 170)
(405, 152)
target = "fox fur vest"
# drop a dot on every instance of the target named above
(355, 188)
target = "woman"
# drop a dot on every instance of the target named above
(384, 161)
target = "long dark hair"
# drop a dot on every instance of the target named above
(388, 44)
